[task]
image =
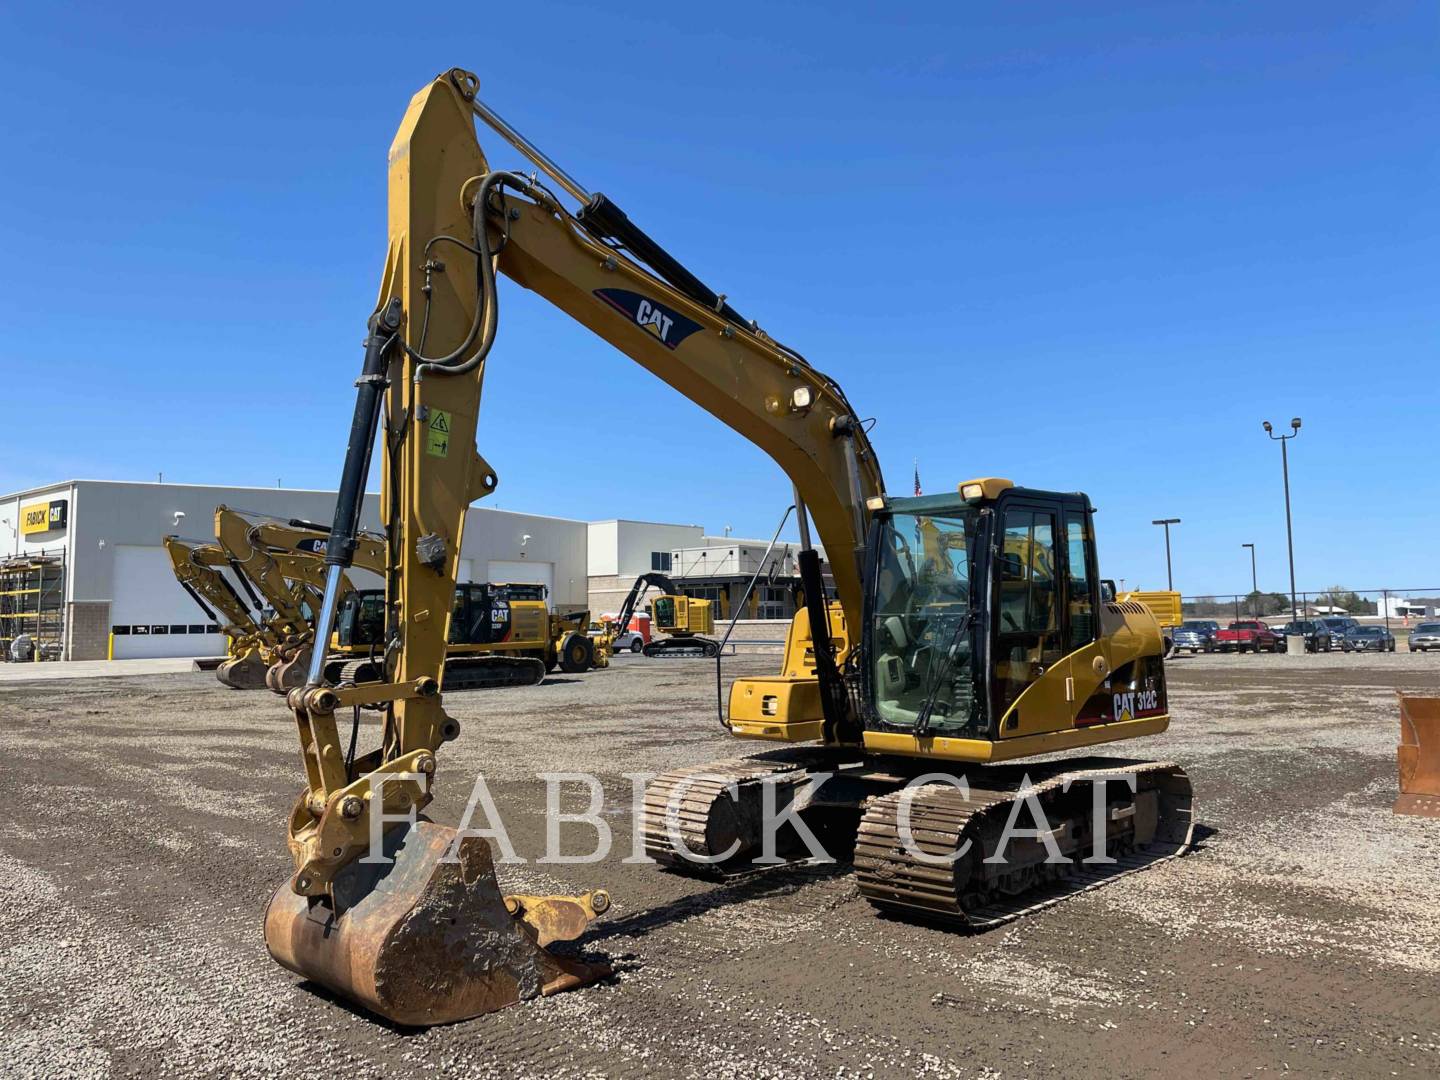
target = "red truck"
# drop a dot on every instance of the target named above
(1248, 635)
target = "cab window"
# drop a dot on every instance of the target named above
(1081, 630)
(1027, 613)
(470, 616)
(460, 618)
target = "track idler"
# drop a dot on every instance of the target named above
(421, 941)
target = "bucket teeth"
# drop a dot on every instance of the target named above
(420, 940)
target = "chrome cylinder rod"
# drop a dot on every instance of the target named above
(803, 520)
(324, 625)
(530, 150)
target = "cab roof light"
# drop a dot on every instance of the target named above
(984, 489)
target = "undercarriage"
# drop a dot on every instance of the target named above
(972, 846)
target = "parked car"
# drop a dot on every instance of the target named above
(1339, 626)
(1369, 639)
(1197, 635)
(1425, 636)
(632, 639)
(1247, 635)
(1317, 637)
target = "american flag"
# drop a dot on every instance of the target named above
(917, 477)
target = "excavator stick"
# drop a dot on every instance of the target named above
(423, 941)
(1419, 756)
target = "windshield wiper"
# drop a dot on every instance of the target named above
(922, 720)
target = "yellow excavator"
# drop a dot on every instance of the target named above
(290, 582)
(500, 634)
(253, 647)
(967, 631)
(684, 620)
(282, 560)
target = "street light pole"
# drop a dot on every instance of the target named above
(1289, 530)
(1254, 586)
(1169, 575)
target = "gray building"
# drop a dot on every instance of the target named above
(83, 566)
(620, 550)
(716, 568)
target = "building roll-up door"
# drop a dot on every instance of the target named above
(151, 615)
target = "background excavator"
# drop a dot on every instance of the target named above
(967, 629)
(283, 560)
(500, 634)
(683, 619)
(198, 567)
(289, 581)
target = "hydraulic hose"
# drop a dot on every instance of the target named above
(487, 310)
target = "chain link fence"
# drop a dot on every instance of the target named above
(1397, 609)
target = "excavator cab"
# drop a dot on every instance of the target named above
(683, 616)
(986, 620)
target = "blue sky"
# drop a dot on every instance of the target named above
(1086, 246)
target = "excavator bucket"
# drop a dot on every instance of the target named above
(244, 672)
(290, 672)
(421, 941)
(1419, 756)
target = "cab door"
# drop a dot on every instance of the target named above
(1028, 673)
(1089, 653)
(470, 616)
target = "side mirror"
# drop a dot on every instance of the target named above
(1107, 591)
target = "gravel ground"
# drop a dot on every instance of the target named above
(143, 832)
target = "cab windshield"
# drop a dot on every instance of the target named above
(361, 620)
(921, 629)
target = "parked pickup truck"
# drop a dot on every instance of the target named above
(1248, 635)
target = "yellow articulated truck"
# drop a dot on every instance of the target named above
(1165, 606)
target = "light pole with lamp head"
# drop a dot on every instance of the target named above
(1289, 531)
(1169, 576)
(1254, 587)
